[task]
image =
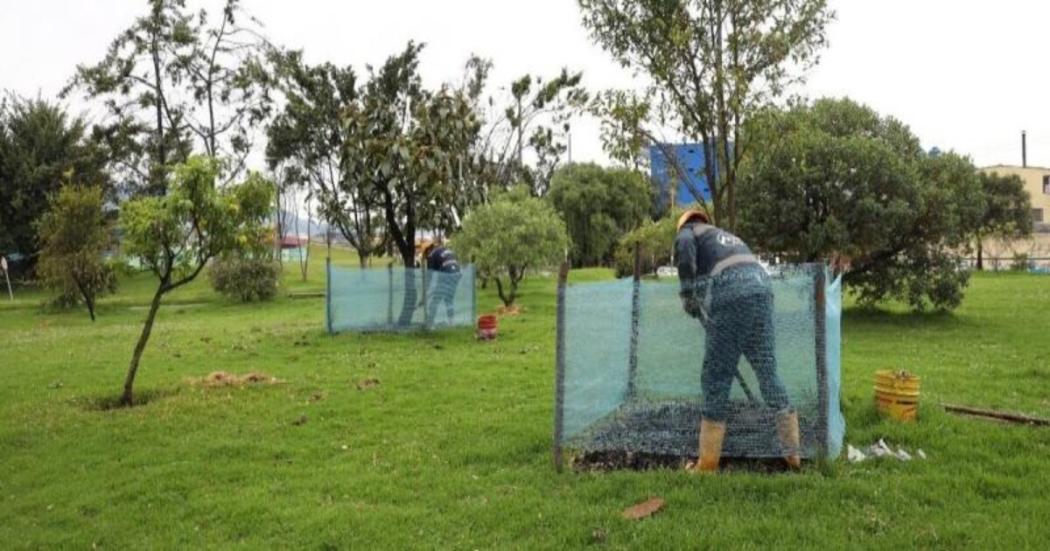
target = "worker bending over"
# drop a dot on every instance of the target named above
(724, 286)
(443, 279)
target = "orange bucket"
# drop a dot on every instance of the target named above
(897, 394)
(488, 326)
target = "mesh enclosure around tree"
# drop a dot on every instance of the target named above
(630, 362)
(393, 298)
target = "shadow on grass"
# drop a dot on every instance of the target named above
(873, 316)
(112, 402)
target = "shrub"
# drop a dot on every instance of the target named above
(1020, 262)
(656, 240)
(245, 279)
(74, 236)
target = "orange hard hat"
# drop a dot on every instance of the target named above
(691, 214)
(427, 245)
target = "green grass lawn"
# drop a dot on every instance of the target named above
(452, 448)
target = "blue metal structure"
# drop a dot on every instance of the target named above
(690, 158)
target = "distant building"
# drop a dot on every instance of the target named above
(293, 248)
(1000, 253)
(677, 170)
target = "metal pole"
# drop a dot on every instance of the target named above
(632, 358)
(328, 293)
(473, 293)
(3, 266)
(390, 294)
(426, 309)
(820, 327)
(559, 370)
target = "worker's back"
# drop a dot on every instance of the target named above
(703, 250)
(441, 259)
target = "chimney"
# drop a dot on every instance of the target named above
(1024, 149)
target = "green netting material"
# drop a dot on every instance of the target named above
(391, 299)
(627, 391)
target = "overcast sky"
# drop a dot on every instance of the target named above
(967, 75)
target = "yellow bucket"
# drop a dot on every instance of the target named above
(897, 394)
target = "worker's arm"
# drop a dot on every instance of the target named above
(693, 287)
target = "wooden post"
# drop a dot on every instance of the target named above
(820, 330)
(328, 293)
(636, 306)
(559, 370)
(390, 294)
(632, 365)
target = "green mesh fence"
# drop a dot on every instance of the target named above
(397, 299)
(631, 364)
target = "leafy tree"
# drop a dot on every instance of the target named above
(533, 117)
(623, 131)
(172, 76)
(655, 239)
(836, 178)
(74, 235)
(510, 236)
(175, 236)
(712, 64)
(417, 139)
(1008, 210)
(136, 82)
(40, 147)
(599, 206)
(227, 76)
(321, 138)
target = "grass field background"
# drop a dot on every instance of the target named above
(452, 448)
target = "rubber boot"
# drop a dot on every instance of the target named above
(711, 436)
(787, 432)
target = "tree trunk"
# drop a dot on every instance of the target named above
(129, 382)
(162, 159)
(304, 259)
(408, 305)
(507, 301)
(980, 254)
(90, 306)
(89, 299)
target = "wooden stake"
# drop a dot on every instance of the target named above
(559, 370)
(1000, 415)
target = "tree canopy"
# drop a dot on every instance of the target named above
(509, 236)
(599, 206)
(1007, 213)
(172, 77)
(40, 148)
(317, 140)
(833, 177)
(712, 64)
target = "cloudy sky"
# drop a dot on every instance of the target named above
(967, 75)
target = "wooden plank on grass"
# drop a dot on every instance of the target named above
(1000, 415)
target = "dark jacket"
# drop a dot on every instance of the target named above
(441, 259)
(704, 251)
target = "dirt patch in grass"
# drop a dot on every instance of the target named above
(368, 383)
(224, 379)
